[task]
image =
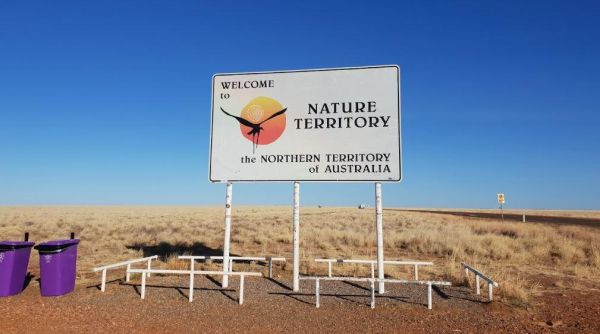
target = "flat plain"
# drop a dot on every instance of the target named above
(549, 273)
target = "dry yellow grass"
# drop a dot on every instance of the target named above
(513, 253)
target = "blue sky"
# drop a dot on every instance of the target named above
(108, 102)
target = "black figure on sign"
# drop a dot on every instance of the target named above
(256, 127)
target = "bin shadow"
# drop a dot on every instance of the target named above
(165, 249)
(28, 279)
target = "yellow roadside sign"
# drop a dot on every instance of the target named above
(500, 198)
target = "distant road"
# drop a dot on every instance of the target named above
(530, 218)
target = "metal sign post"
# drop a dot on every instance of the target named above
(296, 232)
(228, 195)
(379, 233)
(501, 201)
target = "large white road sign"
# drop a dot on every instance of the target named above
(314, 125)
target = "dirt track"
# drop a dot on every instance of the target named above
(531, 218)
(270, 306)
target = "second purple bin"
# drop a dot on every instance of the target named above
(58, 264)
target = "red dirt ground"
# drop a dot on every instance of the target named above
(269, 306)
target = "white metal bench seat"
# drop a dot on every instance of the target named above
(268, 259)
(192, 274)
(429, 284)
(128, 263)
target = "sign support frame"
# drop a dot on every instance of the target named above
(296, 237)
(385, 92)
(226, 242)
(379, 236)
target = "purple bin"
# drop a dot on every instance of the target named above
(58, 263)
(14, 258)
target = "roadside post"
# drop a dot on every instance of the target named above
(501, 203)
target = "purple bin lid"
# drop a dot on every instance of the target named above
(55, 246)
(54, 243)
(6, 244)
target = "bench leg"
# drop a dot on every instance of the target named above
(270, 268)
(149, 266)
(241, 299)
(373, 292)
(128, 274)
(477, 284)
(143, 290)
(372, 270)
(103, 286)
(416, 272)
(317, 297)
(329, 268)
(429, 296)
(191, 294)
(490, 292)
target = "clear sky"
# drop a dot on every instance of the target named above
(108, 102)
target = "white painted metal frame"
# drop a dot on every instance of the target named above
(296, 238)
(192, 273)
(268, 259)
(416, 264)
(379, 237)
(478, 274)
(121, 264)
(226, 269)
(317, 279)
